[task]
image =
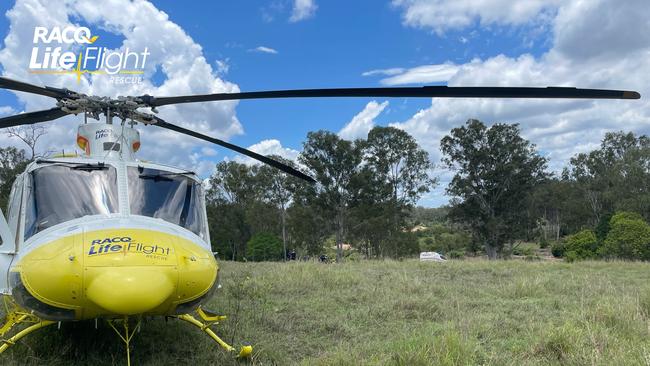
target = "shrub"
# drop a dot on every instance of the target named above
(264, 247)
(558, 249)
(580, 246)
(456, 254)
(628, 237)
(624, 215)
(523, 250)
(543, 242)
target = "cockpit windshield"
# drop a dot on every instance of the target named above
(64, 192)
(173, 197)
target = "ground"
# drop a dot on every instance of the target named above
(463, 312)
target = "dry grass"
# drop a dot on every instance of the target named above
(389, 312)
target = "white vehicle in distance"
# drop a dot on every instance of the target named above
(432, 257)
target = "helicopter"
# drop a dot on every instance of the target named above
(103, 235)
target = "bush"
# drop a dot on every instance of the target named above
(628, 237)
(543, 242)
(264, 247)
(580, 246)
(624, 215)
(523, 251)
(558, 249)
(456, 254)
(444, 240)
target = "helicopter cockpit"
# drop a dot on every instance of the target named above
(62, 190)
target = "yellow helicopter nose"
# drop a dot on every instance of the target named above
(130, 290)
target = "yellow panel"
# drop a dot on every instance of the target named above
(118, 272)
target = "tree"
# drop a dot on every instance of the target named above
(393, 178)
(278, 190)
(29, 134)
(495, 171)
(614, 177)
(628, 237)
(334, 163)
(232, 182)
(232, 190)
(397, 160)
(264, 247)
(12, 163)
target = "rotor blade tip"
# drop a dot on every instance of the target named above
(631, 95)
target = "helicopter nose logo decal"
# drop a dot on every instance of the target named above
(48, 58)
(125, 244)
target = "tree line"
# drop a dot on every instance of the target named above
(367, 192)
(364, 192)
(502, 193)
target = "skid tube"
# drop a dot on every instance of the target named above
(17, 316)
(209, 319)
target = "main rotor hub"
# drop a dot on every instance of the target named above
(124, 108)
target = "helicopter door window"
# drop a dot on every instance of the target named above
(61, 193)
(173, 197)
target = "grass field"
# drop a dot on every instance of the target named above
(397, 313)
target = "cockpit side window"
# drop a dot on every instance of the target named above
(60, 193)
(173, 197)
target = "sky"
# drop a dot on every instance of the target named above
(230, 46)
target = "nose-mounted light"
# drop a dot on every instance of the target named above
(83, 144)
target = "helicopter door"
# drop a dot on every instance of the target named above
(7, 251)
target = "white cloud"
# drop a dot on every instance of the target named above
(303, 9)
(141, 25)
(588, 50)
(208, 151)
(363, 122)
(223, 66)
(263, 49)
(7, 110)
(422, 74)
(387, 72)
(443, 15)
(268, 147)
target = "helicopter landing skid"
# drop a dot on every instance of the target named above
(126, 338)
(16, 316)
(210, 319)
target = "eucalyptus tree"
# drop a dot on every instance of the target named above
(335, 164)
(495, 172)
(278, 189)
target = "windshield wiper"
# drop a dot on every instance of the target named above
(74, 165)
(89, 167)
(164, 176)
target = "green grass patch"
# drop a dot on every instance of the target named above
(391, 313)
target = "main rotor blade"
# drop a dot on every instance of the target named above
(47, 91)
(266, 160)
(418, 92)
(30, 118)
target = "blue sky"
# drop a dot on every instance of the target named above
(493, 42)
(343, 40)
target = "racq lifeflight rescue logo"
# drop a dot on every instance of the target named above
(125, 244)
(48, 56)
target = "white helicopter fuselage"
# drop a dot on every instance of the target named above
(106, 235)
